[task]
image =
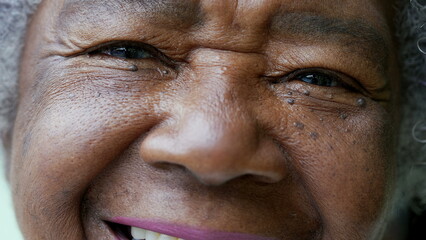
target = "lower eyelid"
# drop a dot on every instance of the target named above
(300, 91)
(113, 63)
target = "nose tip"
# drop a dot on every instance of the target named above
(215, 153)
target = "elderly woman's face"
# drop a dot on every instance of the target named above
(204, 120)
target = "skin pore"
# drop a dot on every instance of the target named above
(266, 117)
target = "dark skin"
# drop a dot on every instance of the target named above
(265, 117)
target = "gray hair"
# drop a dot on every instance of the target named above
(14, 15)
(410, 33)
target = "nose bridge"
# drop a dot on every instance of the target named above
(223, 89)
(225, 65)
(222, 83)
(215, 134)
(218, 119)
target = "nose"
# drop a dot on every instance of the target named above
(216, 136)
(215, 152)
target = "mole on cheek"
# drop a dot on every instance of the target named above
(361, 102)
(314, 135)
(343, 116)
(299, 125)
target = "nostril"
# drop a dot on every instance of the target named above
(162, 165)
(167, 166)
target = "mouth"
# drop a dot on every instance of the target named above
(136, 229)
(124, 232)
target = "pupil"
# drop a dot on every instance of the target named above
(119, 52)
(133, 53)
(318, 79)
(129, 53)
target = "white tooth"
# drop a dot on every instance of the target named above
(150, 235)
(166, 237)
(138, 233)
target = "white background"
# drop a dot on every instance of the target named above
(8, 226)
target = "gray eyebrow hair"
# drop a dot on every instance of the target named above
(357, 36)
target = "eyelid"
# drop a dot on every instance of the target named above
(120, 43)
(351, 83)
(104, 46)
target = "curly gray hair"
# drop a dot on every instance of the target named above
(14, 15)
(410, 31)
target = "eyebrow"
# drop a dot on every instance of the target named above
(182, 12)
(357, 36)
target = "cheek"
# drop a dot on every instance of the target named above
(74, 139)
(63, 148)
(344, 159)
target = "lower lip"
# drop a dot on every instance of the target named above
(187, 233)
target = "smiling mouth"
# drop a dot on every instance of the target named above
(138, 229)
(124, 232)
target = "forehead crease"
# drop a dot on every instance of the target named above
(184, 11)
(356, 35)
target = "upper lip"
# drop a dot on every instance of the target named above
(185, 232)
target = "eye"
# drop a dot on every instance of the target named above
(319, 79)
(125, 51)
(322, 78)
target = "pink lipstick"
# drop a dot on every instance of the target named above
(185, 232)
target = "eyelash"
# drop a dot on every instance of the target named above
(137, 51)
(126, 50)
(321, 78)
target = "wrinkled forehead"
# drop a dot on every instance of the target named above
(255, 13)
(362, 18)
(244, 10)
